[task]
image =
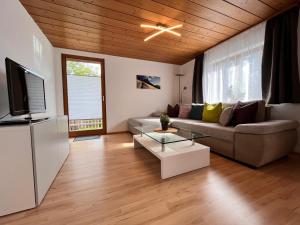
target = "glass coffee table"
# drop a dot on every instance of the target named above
(172, 135)
(176, 149)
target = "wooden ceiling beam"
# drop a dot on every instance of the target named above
(229, 10)
(111, 44)
(70, 28)
(255, 7)
(278, 4)
(113, 26)
(76, 16)
(147, 9)
(205, 28)
(106, 40)
(122, 34)
(191, 8)
(112, 50)
(49, 17)
(118, 53)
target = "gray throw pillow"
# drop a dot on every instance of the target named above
(226, 116)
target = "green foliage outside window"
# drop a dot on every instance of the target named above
(80, 69)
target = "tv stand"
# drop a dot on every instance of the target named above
(31, 157)
(14, 122)
(38, 120)
(29, 118)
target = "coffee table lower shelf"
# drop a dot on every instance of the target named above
(177, 158)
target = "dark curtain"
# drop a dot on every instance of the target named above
(197, 79)
(280, 75)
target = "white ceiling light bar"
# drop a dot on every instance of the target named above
(162, 28)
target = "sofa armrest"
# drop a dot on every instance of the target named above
(267, 127)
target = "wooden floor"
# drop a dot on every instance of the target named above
(107, 182)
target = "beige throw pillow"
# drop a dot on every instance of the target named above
(226, 116)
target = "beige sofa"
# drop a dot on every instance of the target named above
(255, 144)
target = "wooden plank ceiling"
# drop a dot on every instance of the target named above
(113, 26)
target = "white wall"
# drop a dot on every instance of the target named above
(187, 81)
(123, 99)
(22, 41)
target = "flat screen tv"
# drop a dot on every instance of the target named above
(26, 90)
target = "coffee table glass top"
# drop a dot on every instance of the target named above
(171, 136)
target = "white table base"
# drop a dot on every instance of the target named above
(177, 158)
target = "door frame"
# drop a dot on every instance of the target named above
(64, 58)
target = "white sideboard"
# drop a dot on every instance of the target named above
(16, 170)
(31, 155)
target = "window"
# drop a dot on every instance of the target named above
(84, 94)
(232, 70)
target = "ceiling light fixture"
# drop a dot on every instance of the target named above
(162, 28)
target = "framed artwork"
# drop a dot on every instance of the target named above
(147, 82)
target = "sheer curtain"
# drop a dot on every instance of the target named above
(232, 70)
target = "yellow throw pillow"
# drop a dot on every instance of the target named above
(212, 112)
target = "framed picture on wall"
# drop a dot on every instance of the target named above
(147, 82)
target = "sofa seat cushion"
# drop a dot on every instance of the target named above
(214, 130)
(267, 127)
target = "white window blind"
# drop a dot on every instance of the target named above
(232, 70)
(84, 97)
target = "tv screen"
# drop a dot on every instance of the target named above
(35, 92)
(25, 90)
(17, 91)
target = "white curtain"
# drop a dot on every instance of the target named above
(232, 70)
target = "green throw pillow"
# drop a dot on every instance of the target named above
(196, 112)
(212, 112)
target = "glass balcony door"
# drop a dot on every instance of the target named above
(84, 95)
